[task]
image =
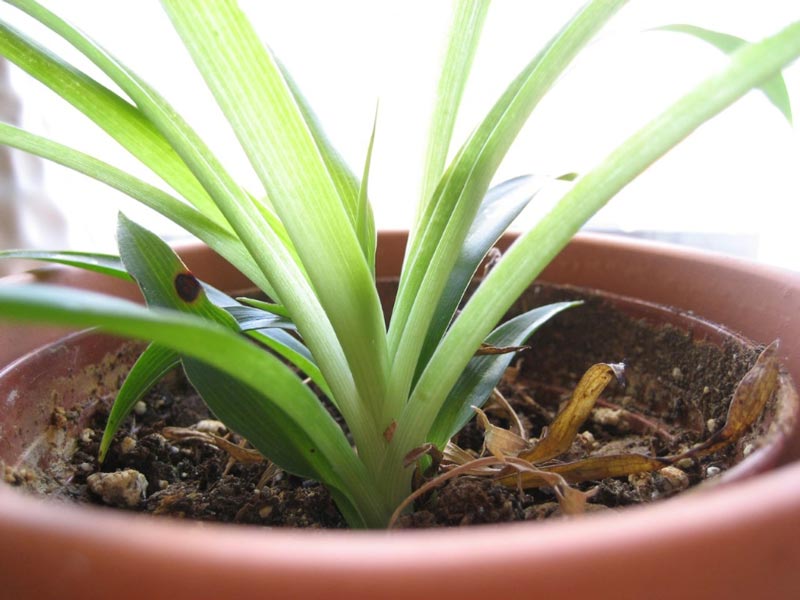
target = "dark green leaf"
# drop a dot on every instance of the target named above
(501, 205)
(163, 278)
(149, 368)
(250, 318)
(484, 372)
(287, 346)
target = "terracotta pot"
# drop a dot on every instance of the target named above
(736, 541)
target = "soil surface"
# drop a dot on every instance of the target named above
(677, 392)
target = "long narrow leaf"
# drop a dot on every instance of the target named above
(260, 234)
(250, 89)
(502, 204)
(774, 88)
(365, 220)
(749, 67)
(113, 114)
(106, 264)
(346, 182)
(484, 372)
(155, 362)
(218, 238)
(448, 218)
(216, 346)
(465, 33)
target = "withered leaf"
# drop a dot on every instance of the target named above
(426, 449)
(587, 469)
(749, 399)
(488, 349)
(559, 436)
(242, 455)
(500, 442)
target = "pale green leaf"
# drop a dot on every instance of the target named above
(250, 89)
(774, 88)
(462, 43)
(444, 225)
(749, 67)
(106, 264)
(113, 114)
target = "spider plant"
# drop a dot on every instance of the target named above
(309, 243)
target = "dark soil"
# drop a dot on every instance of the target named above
(677, 392)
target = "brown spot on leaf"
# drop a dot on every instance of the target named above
(187, 286)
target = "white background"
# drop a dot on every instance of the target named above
(737, 175)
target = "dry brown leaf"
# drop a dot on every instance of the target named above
(498, 441)
(242, 455)
(559, 436)
(488, 349)
(588, 469)
(497, 399)
(749, 399)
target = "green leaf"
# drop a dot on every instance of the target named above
(163, 278)
(501, 205)
(261, 233)
(218, 238)
(465, 33)
(483, 373)
(155, 362)
(365, 220)
(444, 225)
(251, 91)
(117, 117)
(250, 318)
(283, 344)
(749, 67)
(774, 88)
(343, 178)
(270, 307)
(217, 347)
(105, 264)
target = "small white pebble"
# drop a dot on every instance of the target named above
(122, 488)
(706, 390)
(211, 426)
(184, 475)
(86, 467)
(87, 435)
(748, 449)
(675, 478)
(127, 445)
(587, 440)
(677, 374)
(711, 425)
(712, 471)
(606, 416)
(140, 408)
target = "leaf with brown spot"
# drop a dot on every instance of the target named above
(388, 433)
(559, 436)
